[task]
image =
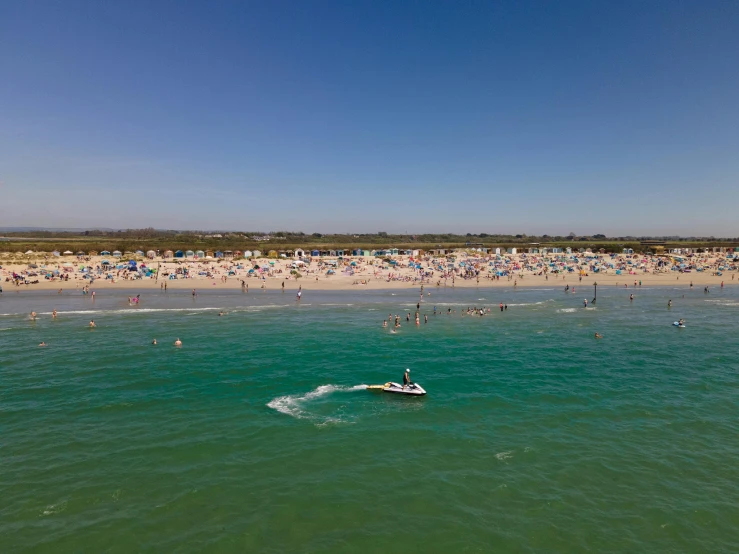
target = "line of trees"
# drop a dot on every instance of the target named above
(154, 239)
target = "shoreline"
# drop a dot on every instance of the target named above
(291, 287)
(343, 284)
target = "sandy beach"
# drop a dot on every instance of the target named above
(462, 269)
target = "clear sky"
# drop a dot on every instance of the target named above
(552, 117)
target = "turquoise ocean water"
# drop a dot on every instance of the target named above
(257, 436)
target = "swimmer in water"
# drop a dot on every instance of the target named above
(598, 336)
(92, 323)
(33, 316)
(53, 314)
(42, 344)
(154, 342)
(384, 323)
(178, 342)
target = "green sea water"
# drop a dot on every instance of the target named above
(257, 435)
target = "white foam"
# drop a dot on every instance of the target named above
(503, 456)
(567, 310)
(294, 405)
(54, 509)
(723, 302)
(133, 311)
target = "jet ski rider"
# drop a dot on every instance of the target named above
(407, 378)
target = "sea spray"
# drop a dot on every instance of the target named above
(296, 405)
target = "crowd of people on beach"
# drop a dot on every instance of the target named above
(427, 271)
(446, 270)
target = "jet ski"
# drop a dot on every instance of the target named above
(413, 389)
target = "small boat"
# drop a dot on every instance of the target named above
(413, 389)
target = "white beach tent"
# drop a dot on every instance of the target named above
(67, 252)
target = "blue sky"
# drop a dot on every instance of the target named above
(511, 117)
